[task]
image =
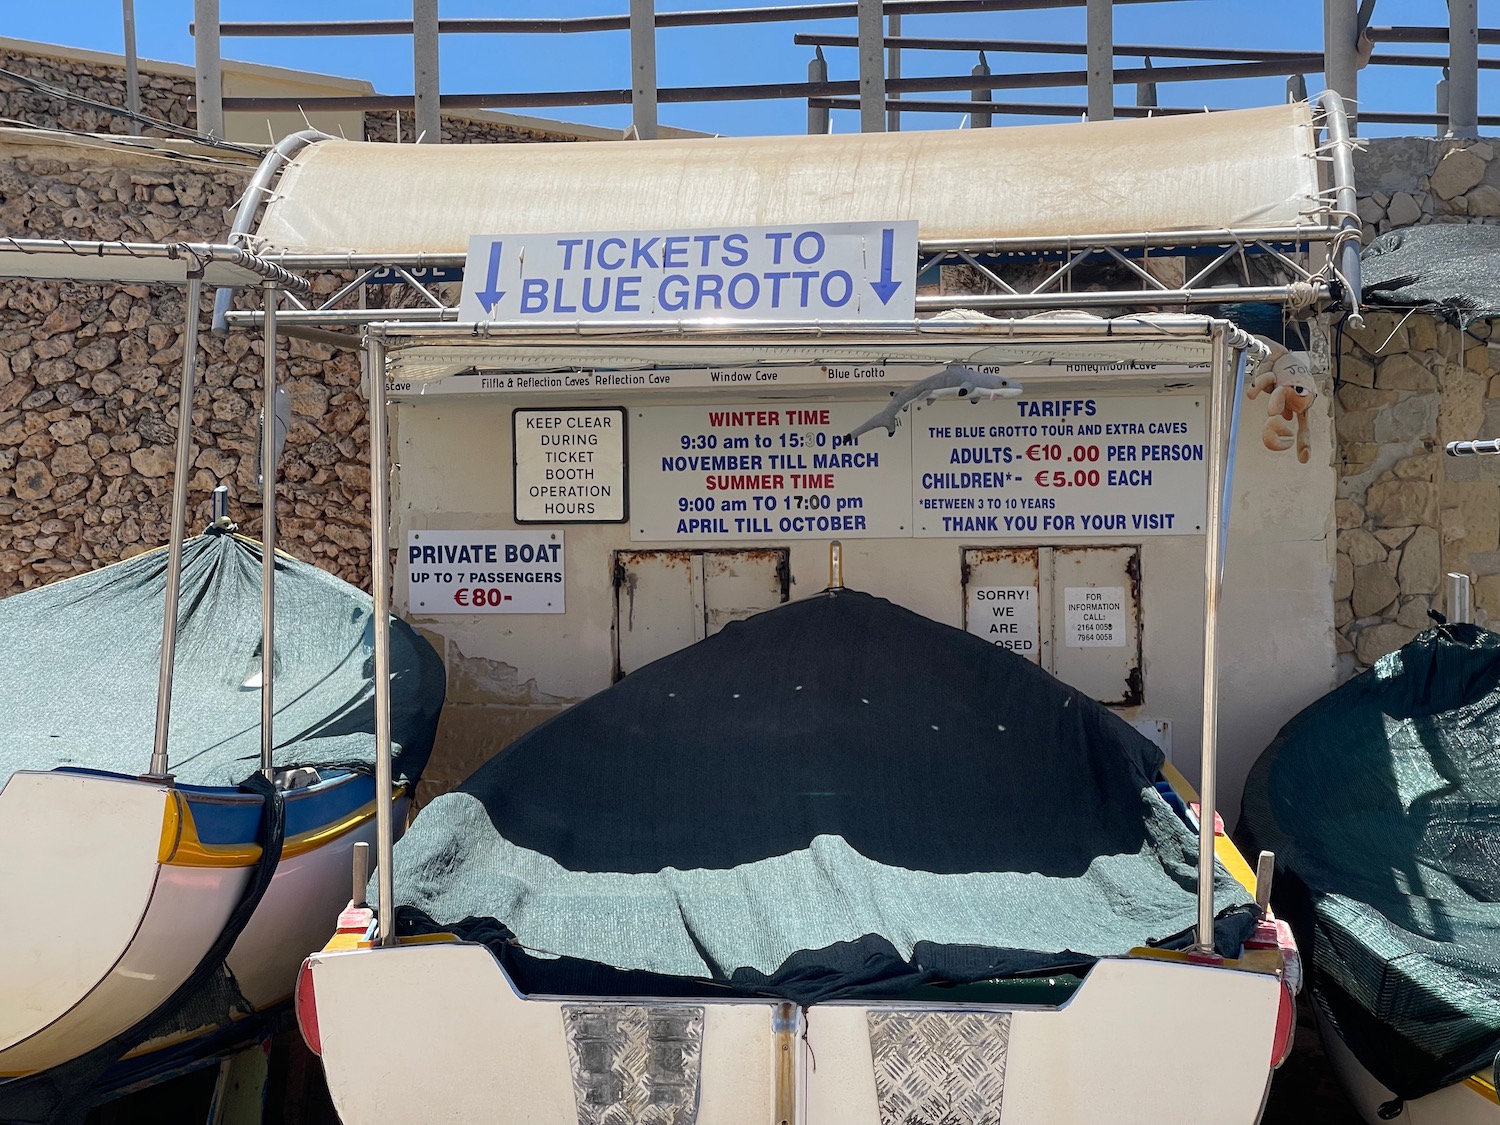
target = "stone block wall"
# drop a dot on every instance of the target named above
(1406, 384)
(89, 377)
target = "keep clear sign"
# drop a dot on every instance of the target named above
(792, 274)
(765, 471)
(1040, 468)
(484, 572)
(1007, 617)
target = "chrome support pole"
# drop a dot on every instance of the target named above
(871, 66)
(210, 85)
(1101, 60)
(643, 69)
(268, 536)
(428, 114)
(132, 67)
(385, 838)
(256, 192)
(1460, 608)
(178, 531)
(1213, 550)
(1463, 68)
(835, 565)
(1339, 126)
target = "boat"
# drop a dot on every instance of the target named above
(836, 863)
(148, 908)
(1382, 803)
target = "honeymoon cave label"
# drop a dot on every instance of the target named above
(765, 471)
(1060, 467)
(450, 572)
(570, 465)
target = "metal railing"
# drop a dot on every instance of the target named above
(878, 93)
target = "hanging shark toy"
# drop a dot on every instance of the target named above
(953, 381)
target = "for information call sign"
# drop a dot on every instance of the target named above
(461, 572)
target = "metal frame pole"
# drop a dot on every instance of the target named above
(893, 68)
(643, 68)
(817, 116)
(1341, 53)
(424, 62)
(210, 82)
(981, 119)
(1463, 68)
(1213, 571)
(268, 535)
(132, 67)
(871, 67)
(178, 530)
(1101, 60)
(385, 838)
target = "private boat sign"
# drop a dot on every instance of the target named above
(790, 274)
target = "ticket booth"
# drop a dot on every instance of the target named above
(676, 379)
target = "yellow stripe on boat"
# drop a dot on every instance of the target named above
(181, 847)
(1482, 1086)
(1224, 850)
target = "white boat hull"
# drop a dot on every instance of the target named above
(111, 902)
(1460, 1104)
(433, 1032)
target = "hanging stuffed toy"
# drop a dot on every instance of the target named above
(1287, 377)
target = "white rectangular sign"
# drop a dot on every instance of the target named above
(450, 572)
(766, 471)
(1008, 617)
(1045, 468)
(570, 465)
(792, 274)
(1094, 616)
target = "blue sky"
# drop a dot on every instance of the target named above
(754, 53)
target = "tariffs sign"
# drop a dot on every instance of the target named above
(1060, 467)
(452, 572)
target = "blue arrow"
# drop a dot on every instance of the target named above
(885, 288)
(489, 296)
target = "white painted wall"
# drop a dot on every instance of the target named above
(1277, 654)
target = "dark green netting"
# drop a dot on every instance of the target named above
(1382, 804)
(82, 658)
(1452, 269)
(835, 798)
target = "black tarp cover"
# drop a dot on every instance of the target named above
(834, 798)
(81, 659)
(1382, 804)
(1452, 269)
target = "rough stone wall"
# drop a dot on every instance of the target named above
(163, 96)
(1406, 384)
(89, 377)
(457, 130)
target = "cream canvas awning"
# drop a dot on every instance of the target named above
(1253, 168)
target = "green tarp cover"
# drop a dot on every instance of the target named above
(82, 657)
(1451, 269)
(835, 798)
(1382, 804)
